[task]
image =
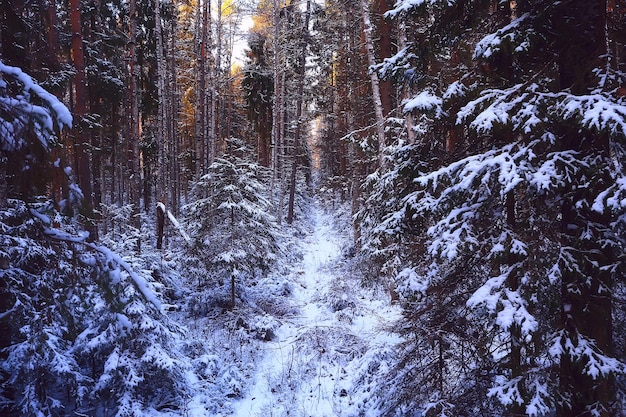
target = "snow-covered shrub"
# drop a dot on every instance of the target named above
(30, 118)
(85, 332)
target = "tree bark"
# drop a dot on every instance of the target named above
(200, 116)
(134, 122)
(276, 114)
(3, 177)
(80, 109)
(371, 59)
(586, 289)
(299, 100)
(384, 29)
(217, 80)
(406, 89)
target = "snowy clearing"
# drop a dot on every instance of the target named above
(310, 367)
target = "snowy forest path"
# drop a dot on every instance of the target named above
(311, 365)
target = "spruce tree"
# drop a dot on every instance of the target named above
(511, 262)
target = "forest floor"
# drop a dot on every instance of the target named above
(318, 362)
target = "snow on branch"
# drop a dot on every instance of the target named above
(404, 6)
(507, 391)
(491, 43)
(390, 66)
(25, 111)
(539, 404)
(582, 349)
(509, 162)
(613, 197)
(178, 227)
(524, 106)
(139, 282)
(594, 111)
(497, 106)
(424, 101)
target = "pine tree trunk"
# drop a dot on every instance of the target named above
(209, 89)
(162, 131)
(80, 110)
(211, 100)
(175, 182)
(217, 80)
(200, 116)
(587, 286)
(134, 122)
(276, 115)
(299, 100)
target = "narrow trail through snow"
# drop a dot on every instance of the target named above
(304, 370)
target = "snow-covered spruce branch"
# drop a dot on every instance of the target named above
(60, 111)
(520, 106)
(139, 282)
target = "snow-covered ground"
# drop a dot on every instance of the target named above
(314, 365)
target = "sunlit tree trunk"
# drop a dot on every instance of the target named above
(371, 59)
(200, 109)
(211, 99)
(172, 125)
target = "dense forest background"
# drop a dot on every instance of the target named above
(149, 180)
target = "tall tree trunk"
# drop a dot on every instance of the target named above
(217, 80)
(134, 122)
(211, 92)
(384, 28)
(515, 331)
(587, 285)
(80, 110)
(276, 113)
(175, 182)
(163, 140)
(406, 89)
(59, 185)
(299, 100)
(200, 116)
(371, 59)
